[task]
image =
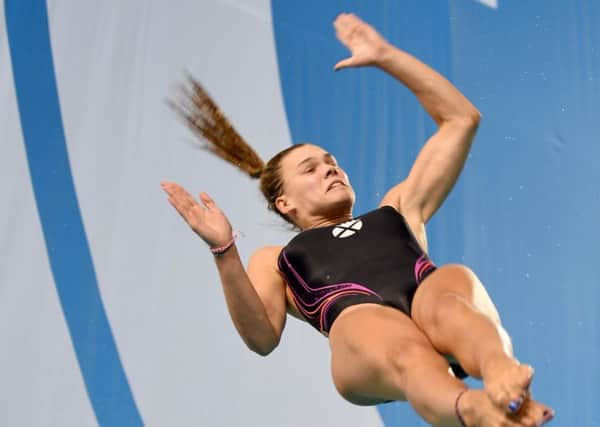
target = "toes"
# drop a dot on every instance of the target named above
(533, 414)
(516, 401)
(528, 377)
(547, 415)
(511, 395)
(507, 402)
(515, 404)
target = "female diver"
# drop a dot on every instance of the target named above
(391, 316)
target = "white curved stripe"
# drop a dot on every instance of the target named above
(490, 3)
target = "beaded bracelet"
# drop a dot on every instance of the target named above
(220, 250)
(460, 418)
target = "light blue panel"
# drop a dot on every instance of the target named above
(150, 335)
(66, 242)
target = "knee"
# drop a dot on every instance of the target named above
(352, 376)
(450, 294)
(382, 368)
(398, 359)
(446, 307)
(410, 357)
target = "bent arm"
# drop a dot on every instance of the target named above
(440, 161)
(438, 96)
(437, 167)
(256, 299)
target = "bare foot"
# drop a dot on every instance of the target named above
(507, 383)
(477, 410)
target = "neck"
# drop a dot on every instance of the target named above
(324, 221)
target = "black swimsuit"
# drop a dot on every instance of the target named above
(373, 258)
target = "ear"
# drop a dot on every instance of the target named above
(284, 205)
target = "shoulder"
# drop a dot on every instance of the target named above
(266, 255)
(262, 267)
(412, 217)
(400, 198)
(395, 196)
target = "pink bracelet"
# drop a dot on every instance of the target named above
(222, 249)
(460, 418)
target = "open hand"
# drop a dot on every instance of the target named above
(365, 44)
(207, 220)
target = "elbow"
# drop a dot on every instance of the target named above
(475, 118)
(263, 351)
(263, 348)
(471, 118)
(468, 120)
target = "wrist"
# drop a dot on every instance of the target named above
(385, 53)
(221, 249)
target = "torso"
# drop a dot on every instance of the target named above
(376, 237)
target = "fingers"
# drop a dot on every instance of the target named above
(345, 20)
(177, 193)
(180, 199)
(360, 38)
(344, 26)
(344, 63)
(208, 202)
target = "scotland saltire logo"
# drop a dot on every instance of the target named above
(347, 229)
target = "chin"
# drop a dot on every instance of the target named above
(342, 204)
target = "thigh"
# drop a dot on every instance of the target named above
(372, 346)
(452, 280)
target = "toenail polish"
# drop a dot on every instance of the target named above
(514, 405)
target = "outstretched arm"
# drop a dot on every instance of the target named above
(441, 159)
(255, 300)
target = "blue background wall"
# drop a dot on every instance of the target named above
(524, 215)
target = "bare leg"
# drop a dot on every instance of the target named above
(379, 354)
(455, 312)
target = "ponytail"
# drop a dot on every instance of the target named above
(209, 124)
(207, 121)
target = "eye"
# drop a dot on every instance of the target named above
(309, 167)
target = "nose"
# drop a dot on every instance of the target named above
(331, 170)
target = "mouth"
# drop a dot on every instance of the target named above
(336, 184)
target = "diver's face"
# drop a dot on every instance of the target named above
(313, 184)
